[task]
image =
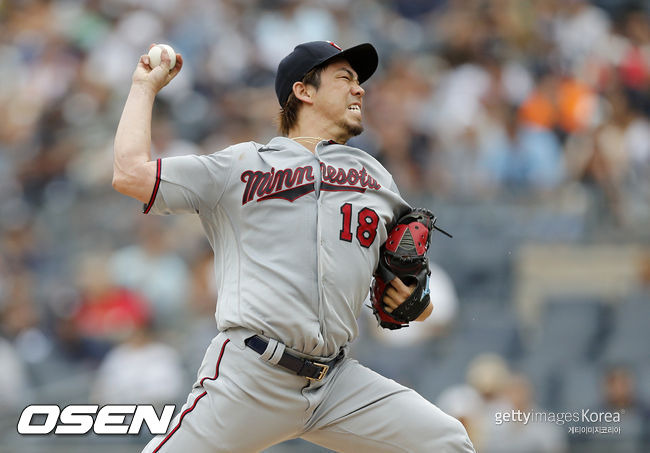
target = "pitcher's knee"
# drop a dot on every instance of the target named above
(455, 438)
(448, 435)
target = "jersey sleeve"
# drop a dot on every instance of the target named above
(402, 206)
(189, 184)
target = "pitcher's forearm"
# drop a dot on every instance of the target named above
(133, 136)
(133, 173)
(426, 313)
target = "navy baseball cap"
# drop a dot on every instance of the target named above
(305, 57)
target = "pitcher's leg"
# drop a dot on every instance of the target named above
(239, 404)
(366, 412)
(187, 430)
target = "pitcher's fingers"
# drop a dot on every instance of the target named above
(392, 292)
(402, 288)
(390, 302)
(165, 60)
(179, 65)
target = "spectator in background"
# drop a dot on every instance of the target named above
(22, 326)
(599, 166)
(131, 30)
(105, 313)
(14, 388)
(560, 103)
(291, 21)
(140, 370)
(633, 58)
(153, 268)
(488, 374)
(166, 142)
(522, 154)
(396, 136)
(620, 395)
(453, 112)
(20, 251)
(476, 402)
(613, 161)
(580, 30)
(517, 437)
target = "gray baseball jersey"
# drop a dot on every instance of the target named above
(296, 237)
(296, 234)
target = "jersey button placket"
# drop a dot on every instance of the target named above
(320, 242)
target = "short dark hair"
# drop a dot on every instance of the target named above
(289, 112)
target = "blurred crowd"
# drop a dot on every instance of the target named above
(535, 102)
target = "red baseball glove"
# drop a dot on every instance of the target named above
(403, 255)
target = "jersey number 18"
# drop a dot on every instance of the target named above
(367, 222)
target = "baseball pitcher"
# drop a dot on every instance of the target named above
(298, 226)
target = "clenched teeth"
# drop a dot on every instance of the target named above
(354, 107)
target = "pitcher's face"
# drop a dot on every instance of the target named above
(338, 100)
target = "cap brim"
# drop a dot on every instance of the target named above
(363, 59)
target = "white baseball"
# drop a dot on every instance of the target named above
(155, 52)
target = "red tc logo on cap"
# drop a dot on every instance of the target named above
(331, 43)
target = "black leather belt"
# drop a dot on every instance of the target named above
(314, 371)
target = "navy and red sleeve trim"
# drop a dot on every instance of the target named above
(148, 206)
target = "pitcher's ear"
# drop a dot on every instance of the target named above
(303, 92)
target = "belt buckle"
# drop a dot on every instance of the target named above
(322, 374)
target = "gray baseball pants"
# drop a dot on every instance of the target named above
(242, 403)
